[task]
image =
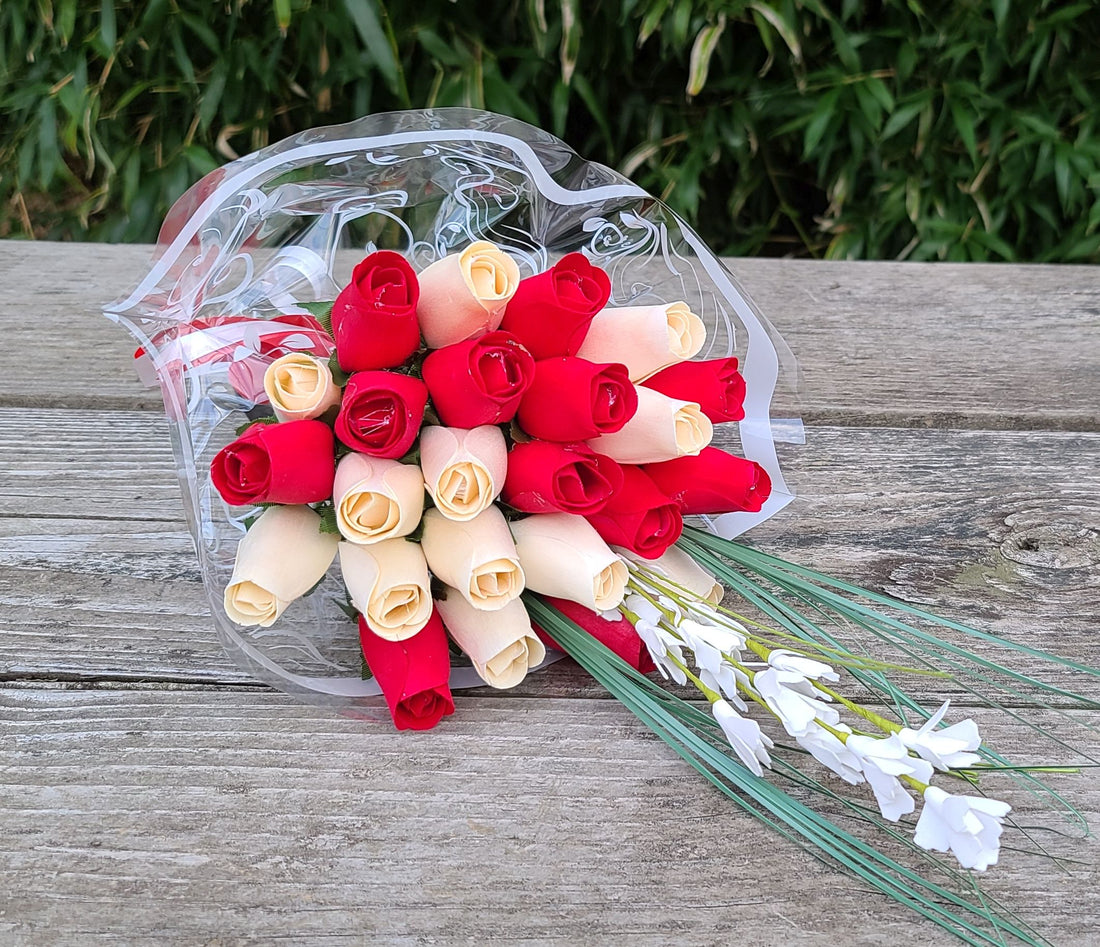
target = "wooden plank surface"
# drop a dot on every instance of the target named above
(150, 789)
(995, 528)
(879, 343)
(214, 817)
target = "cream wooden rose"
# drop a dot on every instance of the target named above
(389, 583)
(502, 648)
(300, 386)
(662, 429)
(677, 566)
(477, 557)
(464, 470)
(644, 338)
(463, 295)
(279, 559)
(562, 555)
(376, 499)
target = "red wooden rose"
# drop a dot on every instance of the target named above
(381, 413)
(290, 462)
(713, 482)
(619, 636)
(479, 381)
(544, 477)
(412, 673)
(551, 311)
(572, 399)
(639, 517)
(715, 385)
(374, 317)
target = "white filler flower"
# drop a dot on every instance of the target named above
(784, 660)
(829, 750)
(793, 700)
(746, 738)
(883, 760)
(949, 748)
(967, 826)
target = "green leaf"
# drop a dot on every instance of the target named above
(595, 109)
(435, 47)
(570, 38)
(901, 118)
(651, 21)
(964, 125)
(339, 376)
(108, 31)
(212, 94)
(995, 244)
(49, 158)
(782, 27)
(706, 41)
(262, 419)
(328, 523)
(365, 17)
(283, 14)
(322, 312)
(823, 115)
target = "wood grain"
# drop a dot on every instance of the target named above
(879, 343)
(229, 817)
(998, 529)
(151, 790)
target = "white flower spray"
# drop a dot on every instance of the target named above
(693, 641)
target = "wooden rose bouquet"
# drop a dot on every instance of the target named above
(448, 401)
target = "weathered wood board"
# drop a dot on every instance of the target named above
(879, 343)
(200, 816)
(149, 789)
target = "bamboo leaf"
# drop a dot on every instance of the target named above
(365, 17)
(706, 41)
(782, 27)
(108, 30)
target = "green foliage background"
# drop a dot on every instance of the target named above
(959, 130)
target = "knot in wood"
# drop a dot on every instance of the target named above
(1057, 546)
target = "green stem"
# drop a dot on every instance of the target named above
(712, 696)
(887, 726)
(915, 783)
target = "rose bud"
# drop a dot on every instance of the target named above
(571, 399)
(479, 381)
(681, 570)
(661, 429)
(276, 463)
(412, 673)
(389, 583)
(544, 477)
(374, 317)
(713, 482)
(463, 295)
(279, 559)
(288, 334)
(503, 649)
(381, 413)
(715, 385)
(639, 517)
(376, 499)
(463, 469)
(644, 338)
(562, 555)
(477, 557)
(551, 311)
(619, 635)
(300, 386)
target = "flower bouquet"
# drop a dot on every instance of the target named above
(448, 401)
